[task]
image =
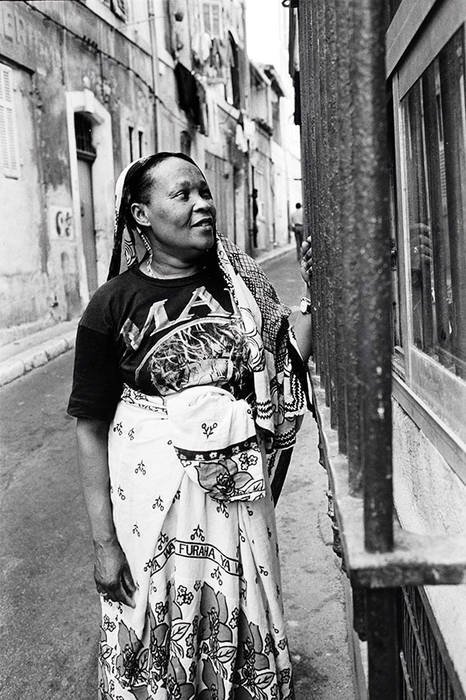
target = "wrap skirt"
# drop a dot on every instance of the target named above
(193, 513)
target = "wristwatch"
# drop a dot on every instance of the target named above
(305, 305)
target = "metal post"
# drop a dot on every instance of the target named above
(332, 210)
(373, 245)
(350, 255)
(382, 643)
(370, 171)
(342, 160)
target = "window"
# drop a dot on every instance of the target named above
(130, 142)
(212, 19)
(434, 126)
(185, 143)
(233, 86)
(119, 8)
(397, 338)
(9, 159)
(83, 132)
(167, 27)
(140, 142)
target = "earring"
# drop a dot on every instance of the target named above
(147, 246)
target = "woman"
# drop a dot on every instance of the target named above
(188, 401)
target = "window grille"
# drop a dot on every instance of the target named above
(83, 131)
(425, 676)
(344, 128)
(9, 159)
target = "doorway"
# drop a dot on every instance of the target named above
(220, 178)
(86, 155)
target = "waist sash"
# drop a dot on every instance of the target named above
(214, 438)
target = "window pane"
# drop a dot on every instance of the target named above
(434, 124)
(167, 29)
(216, 20)
(206, 12)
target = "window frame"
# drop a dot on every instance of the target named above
(211, 4)
(13, 169)
(422, 386)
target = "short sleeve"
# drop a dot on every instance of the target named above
(96, 381)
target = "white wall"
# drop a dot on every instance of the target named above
(430, 499)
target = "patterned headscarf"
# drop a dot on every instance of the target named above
(123, 235)
(280, 378)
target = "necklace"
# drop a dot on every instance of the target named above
(151, 273)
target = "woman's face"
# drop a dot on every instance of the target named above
(180, 212)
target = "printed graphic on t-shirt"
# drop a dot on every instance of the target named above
(204, 344)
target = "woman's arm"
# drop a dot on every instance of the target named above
(111, 570)
(302, 323)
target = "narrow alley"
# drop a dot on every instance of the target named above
(50, 621)
(159, 146)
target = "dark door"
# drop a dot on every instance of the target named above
(87, 221)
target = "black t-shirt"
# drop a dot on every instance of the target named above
(158, 336)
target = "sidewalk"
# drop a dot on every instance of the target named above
(24, 355)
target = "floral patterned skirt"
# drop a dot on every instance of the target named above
(198, 529)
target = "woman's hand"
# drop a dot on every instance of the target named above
(112, 574)
(111, 570)
(306, 260)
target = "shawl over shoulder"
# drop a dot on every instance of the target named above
(281, 380)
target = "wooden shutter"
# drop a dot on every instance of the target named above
(9, 161)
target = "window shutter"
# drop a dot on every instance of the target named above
(9, 161)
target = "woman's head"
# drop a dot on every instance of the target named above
(166, 197)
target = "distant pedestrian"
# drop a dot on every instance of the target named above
(297, 226)
(189, 389)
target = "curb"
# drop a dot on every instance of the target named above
(35, 357)
(24, 362)
(275, 253)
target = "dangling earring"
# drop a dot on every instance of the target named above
(147, 246)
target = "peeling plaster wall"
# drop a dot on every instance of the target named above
(431, 499)
(40, 270)
(57, 59)
(24, 294)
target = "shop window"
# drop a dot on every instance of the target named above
(9, 159)
(211, 14)
(434, 124)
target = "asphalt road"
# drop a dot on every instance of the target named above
(49, 610)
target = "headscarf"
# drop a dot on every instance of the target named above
(123, 236)
(280, 377)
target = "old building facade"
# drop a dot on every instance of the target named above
(85, 88)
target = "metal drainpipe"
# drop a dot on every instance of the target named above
(155, 68)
